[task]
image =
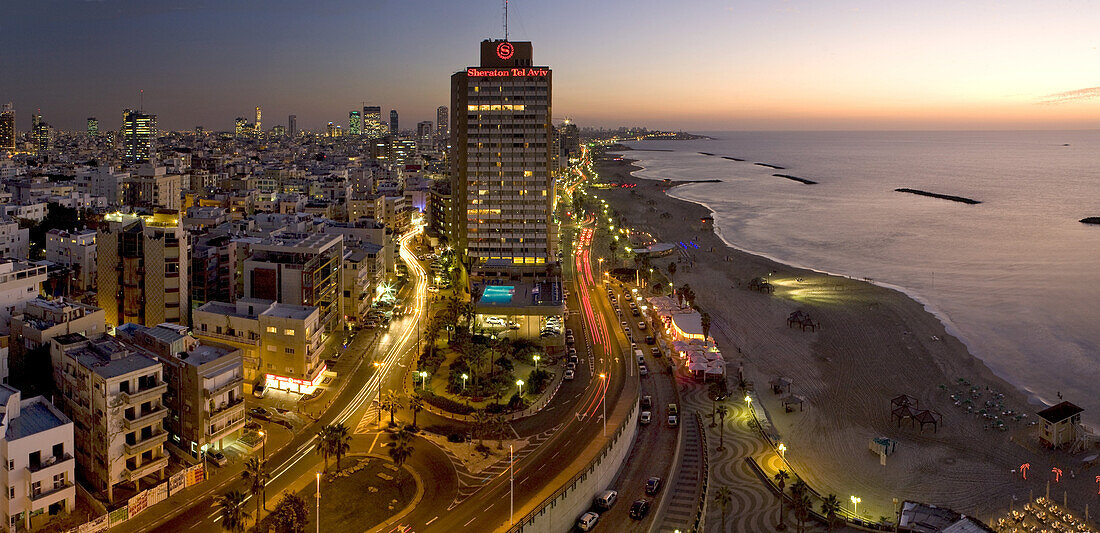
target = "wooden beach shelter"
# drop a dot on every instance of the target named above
(929, 417)
(790, 400)
(903, 401)
(780, 385)
(902, 413)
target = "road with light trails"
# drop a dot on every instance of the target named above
(576, 412)
(394, 355)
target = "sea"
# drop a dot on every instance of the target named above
(1015, 277)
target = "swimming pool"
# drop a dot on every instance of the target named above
(498, 294)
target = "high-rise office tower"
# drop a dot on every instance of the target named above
(93, 127)
(424, 131)
(139, 131)
(354, 124)
(502, 189)
(372, 122)
(258, 129)
(292, 126)
(395, 126)
(442, 123)
(240, 126)
(41, 135)
(7, 127)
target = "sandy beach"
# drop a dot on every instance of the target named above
(873, 344)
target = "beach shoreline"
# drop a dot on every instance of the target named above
(876, 343)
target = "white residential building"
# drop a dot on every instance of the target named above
(37, 447)
(114, 393)
(20, 282)
(14, 241)
(76, 250)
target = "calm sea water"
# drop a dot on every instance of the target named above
(1016, 277)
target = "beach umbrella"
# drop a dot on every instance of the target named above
(696, 366)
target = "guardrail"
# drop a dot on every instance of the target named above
(582, 475)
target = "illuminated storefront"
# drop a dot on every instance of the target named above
(298, 385)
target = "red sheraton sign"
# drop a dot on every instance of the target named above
(507, 72)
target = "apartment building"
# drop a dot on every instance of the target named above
(42, 320)
(36, 444)
(205, 386)
(141, 268)
(76, 250)
(300, 269)
(114, 393)
(280, 343)
(14, 240)
(20, 282)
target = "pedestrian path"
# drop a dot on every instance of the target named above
(687, 482)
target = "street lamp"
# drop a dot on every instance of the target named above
(423, 379)
(855, 505)
(536, 358)
(519, 383)
(604, 402)
(782, 448)
(318, 502)
(263, 444)
(464, 378)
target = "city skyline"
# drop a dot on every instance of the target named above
(713, 66)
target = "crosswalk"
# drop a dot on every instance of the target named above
(469, 483)
(369, 422)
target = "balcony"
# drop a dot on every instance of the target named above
(231, 384)
(145, 418)
(47, 493)
(141, 396)
(228, 338)
(51, 463)
(226, 407)
(142, 446)
(145, 469)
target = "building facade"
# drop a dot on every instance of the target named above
(114, 394)
(20, 283)
(141, 268)
(502, 184)
(298, 269)
(76, 250)
(139, 134)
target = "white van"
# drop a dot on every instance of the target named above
(606, 499)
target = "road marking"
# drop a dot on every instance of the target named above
(429, 522)
(375, 442)
(468, 523)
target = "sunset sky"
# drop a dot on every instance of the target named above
(694, 65)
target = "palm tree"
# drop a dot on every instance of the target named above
(324, 443)
(704, 321)
(391, 402)
(722, 412)
(671, 271)
(401, 448)
(468, 313)
(723, 497)
(714, 391)
(257, 477)
(830, 506)
(339, 442)
(231, 507)
(781, 478)
(416, 403)
(481, 421)
(500, 426)
(802, 505)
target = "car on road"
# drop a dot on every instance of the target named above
(655, 352)
(641, 326)
(572, 351)
(573, 358)
(260, 412)
(625, 325)
(652, 485)
(571, 366)
(635, 312)
(587, 521)
(569, 338)
(650, 340)
(647, 402)
(639, 509)
(494, 321)
(258, 390)
(673, 420)
(643, 370)
(606, 499)
(645, 418)
(433, 288)
(569, 375)
(568, 332)
(216, 457)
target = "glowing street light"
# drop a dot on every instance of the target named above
(423, 379)
(855, 505)
(464, 378)
(519, 383)
(536, 358)
(782, 450)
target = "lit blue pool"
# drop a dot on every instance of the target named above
(498, 294)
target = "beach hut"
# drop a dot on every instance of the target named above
(1058, 425)
(780, 385)
(901, 413)
(882, 445)
(903, 401)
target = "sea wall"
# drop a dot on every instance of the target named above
(559, 513)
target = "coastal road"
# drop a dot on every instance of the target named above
(299, 458)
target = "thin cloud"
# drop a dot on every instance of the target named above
(1071, 96)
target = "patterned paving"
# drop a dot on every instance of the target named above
(369, 422)
(469, 483)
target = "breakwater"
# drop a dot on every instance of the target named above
(960, 199)
(795, 178)
(769, 165)
(732, 158)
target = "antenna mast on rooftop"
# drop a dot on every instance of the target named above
(505, 20)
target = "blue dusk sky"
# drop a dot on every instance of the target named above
(695, 65)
